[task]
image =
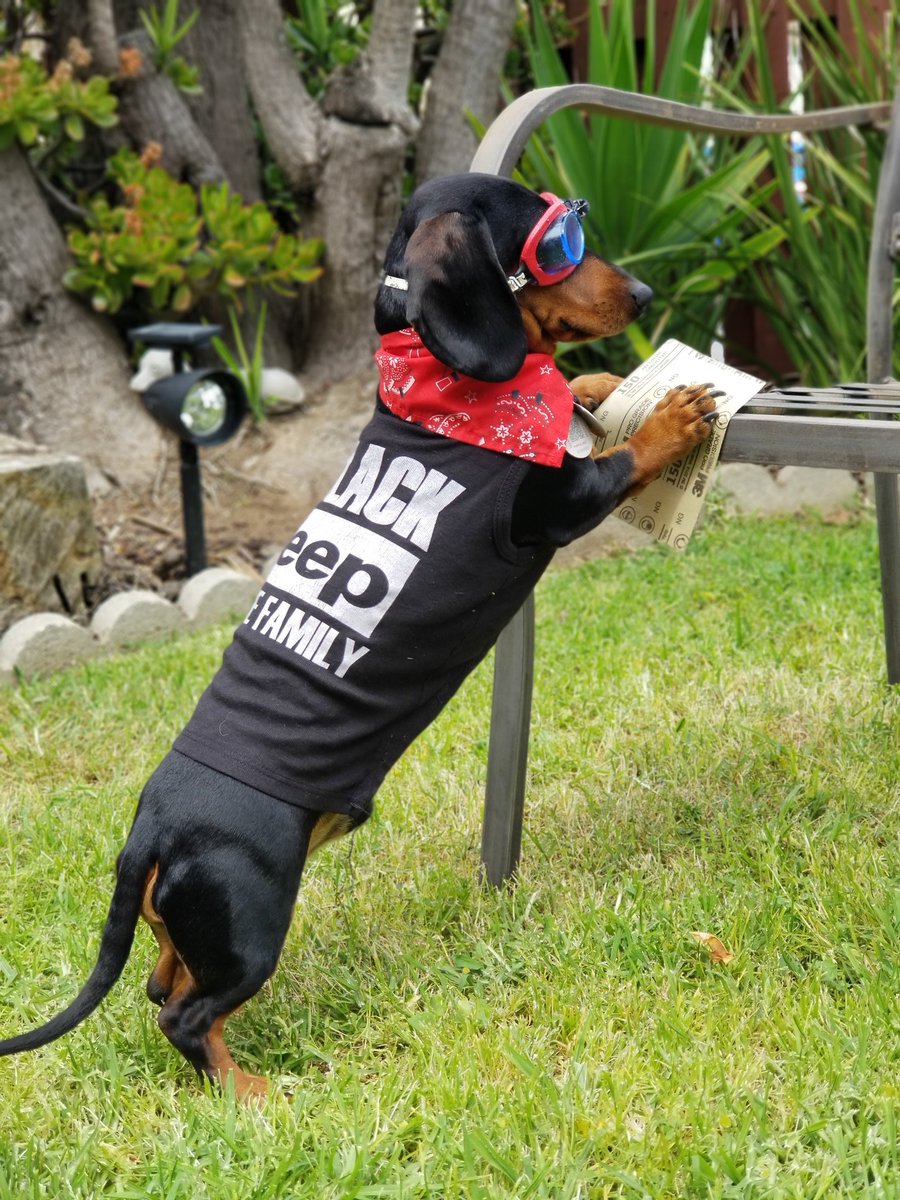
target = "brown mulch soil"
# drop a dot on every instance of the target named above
(247, 519)
(257, 489)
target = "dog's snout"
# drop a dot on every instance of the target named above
(641, 296)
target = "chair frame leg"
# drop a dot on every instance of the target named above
(887, 504)
(504, 798)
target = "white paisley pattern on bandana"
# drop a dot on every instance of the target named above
(527, 416)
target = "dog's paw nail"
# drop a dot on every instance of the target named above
(710, 416)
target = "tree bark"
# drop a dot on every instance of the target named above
(63, 372)
(359, 193)
(290, 119)
(152, 110)
(150, 106)
(372, 90)
(358, 200)
(391, 44)
(465, 78)
(104, 43)
(222, 110)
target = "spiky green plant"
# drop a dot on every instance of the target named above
(814, 294)
(662, 205)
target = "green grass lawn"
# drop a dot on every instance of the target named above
(714, 749)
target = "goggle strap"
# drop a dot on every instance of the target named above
(516, 282)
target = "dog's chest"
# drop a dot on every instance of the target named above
(389, 593)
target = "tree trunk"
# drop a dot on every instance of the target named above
(222, 110)
(357, 204)
(151, 109)
(289, 118)
(466, 78)
(359, 196)
(63, 372)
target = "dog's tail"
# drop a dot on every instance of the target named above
(115, 945)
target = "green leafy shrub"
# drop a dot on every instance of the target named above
(814, 294)
(696, 217)
(168, 246)
(35, 105)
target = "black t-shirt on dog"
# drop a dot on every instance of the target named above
(394, 588)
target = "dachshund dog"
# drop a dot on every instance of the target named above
(461, 488)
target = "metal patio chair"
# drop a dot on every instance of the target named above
(799, 427)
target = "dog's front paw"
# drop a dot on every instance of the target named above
(591, 390)
(677, 424)
(682, 416)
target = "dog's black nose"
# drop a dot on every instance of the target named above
(641, 295)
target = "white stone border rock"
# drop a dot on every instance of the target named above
(44, 643)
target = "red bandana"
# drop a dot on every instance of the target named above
(528, 416)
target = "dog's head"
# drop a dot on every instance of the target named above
(457, 247)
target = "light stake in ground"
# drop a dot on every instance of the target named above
(203, 407)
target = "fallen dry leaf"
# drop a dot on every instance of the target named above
(717, 951)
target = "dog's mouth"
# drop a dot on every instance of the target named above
(563, 330)
(569, 332)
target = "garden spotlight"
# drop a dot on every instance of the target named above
(204, 407)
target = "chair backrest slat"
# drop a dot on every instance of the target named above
(503, 143)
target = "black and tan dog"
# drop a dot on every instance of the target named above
(393, 589)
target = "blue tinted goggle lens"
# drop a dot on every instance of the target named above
(562, 245)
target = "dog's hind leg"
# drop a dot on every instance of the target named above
(165, 978)
(220, 902)
(194, 1022)
(328, 827)
(218, 961)
(221, 917)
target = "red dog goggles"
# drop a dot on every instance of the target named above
(555, 246)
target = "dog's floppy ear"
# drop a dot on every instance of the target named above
(459, 299)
